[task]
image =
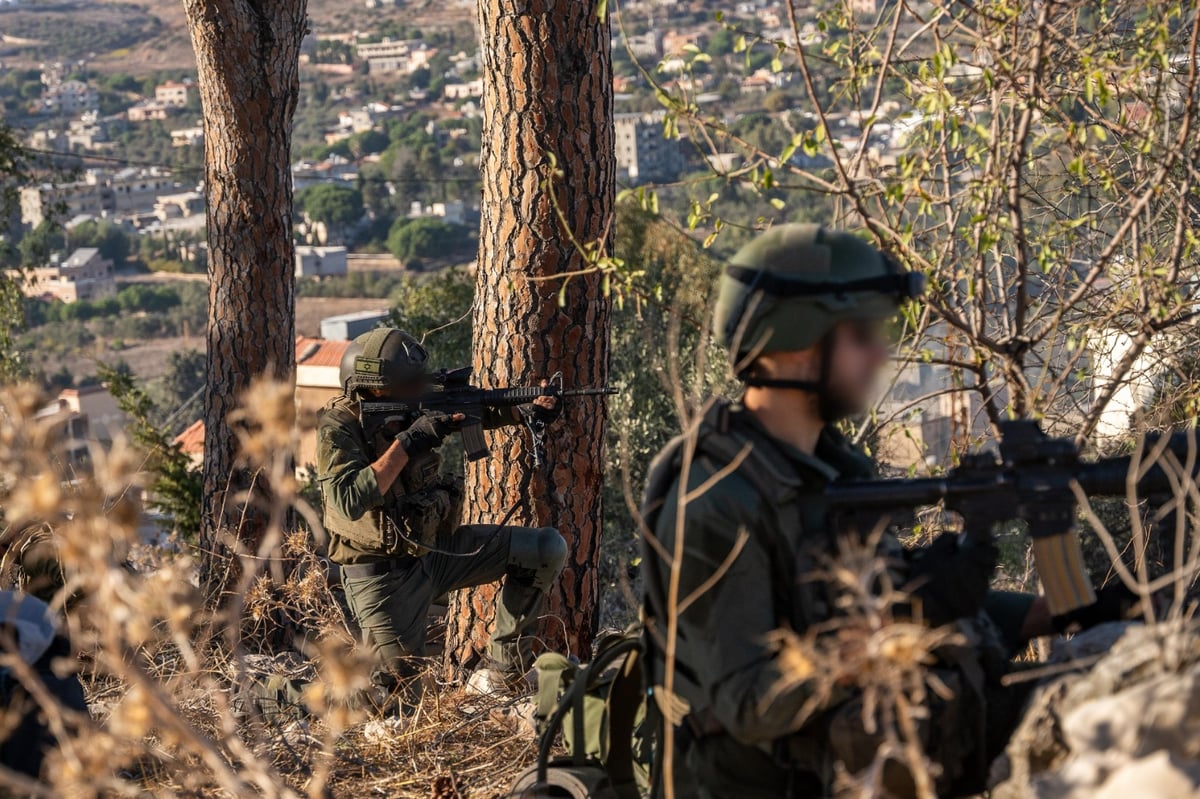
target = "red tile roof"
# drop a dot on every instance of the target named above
(191, 441)
(309, 352)
(319, 352)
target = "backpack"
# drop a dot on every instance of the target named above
(600, 710)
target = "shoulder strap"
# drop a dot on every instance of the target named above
(339, 409)
(764, 466)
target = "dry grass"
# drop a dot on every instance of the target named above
(163, 672)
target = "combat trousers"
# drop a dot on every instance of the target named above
(392, 608)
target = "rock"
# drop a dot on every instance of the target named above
(487, 682)
(519, 718)
(493, 682)
(1156, 775)
(1122, 727)
(384, 731)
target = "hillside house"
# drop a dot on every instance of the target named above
(643, 153)
(148, 111)
(86, 275)
(86, 417)
(187, 137)
(320, 261)
(318, 365)
(172, 94)
(70, 97)
(349, 326)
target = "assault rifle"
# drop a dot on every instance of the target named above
(1030, 478)
(452, 393)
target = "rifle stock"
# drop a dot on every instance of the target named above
(1030, 478)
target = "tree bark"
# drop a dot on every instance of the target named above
(547, 105)
(247, 54)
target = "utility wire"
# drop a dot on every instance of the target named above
(199, 171)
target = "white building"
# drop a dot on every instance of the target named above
(99, 194)
(643, 153)
(320, 261)
(347, 327)
(463, 91)
(405, 56)
(179, 206)
(86, 275)
(148, 111)
(86, 417)
(187, 137)
(70, 97)
(173, 94)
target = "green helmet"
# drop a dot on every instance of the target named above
(382, 358)
(790, 286)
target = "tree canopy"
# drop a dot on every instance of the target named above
(338, 206)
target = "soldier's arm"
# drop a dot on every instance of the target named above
(389, 465)
(347, 475)
(754, 697)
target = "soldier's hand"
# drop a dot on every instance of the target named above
(1114, 602)
(428, 432)
(544, 409)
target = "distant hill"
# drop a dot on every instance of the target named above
(121, 36)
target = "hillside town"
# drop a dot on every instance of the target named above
(387, 144)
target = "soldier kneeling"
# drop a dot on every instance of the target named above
(392, 517)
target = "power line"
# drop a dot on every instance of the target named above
(200, 171)
(111, 159)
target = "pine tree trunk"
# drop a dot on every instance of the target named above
(247, 54)
(547, 92)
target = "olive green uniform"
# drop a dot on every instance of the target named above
(742, 736)
(401, 549)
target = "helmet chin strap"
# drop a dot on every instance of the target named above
(827, 407)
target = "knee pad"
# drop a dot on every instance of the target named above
(539, 553)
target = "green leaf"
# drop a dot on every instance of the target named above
(739, 44)
(601, 9)
(778, 204)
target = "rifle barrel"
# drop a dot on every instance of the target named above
(590, 392)
(1107, 477)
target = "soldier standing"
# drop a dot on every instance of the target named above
(803, 312)
(393, 518)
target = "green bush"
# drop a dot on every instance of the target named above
(337, 206)
(426, 237)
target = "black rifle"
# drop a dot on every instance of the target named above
(452, 393)
(1030, 478)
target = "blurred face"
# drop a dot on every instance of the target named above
(860, 350)
(403, 391)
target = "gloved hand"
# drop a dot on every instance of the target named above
(951, 577)
(1113, 602)
(426, 433)
(540, 412)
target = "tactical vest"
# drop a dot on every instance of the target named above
(413, 508)
(780, 485)
(795, 500)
